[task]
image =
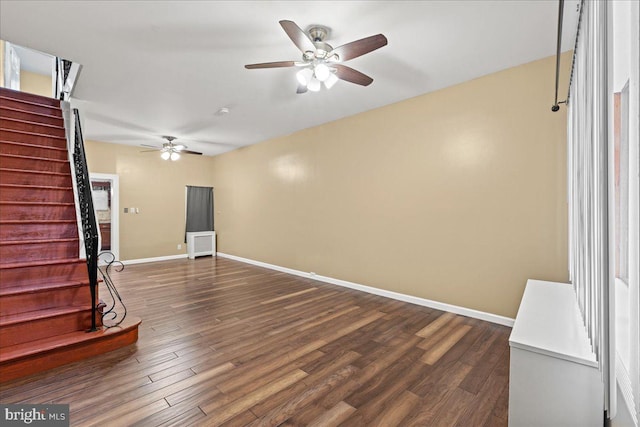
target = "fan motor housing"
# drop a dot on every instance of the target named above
(318, 32)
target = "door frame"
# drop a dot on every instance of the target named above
(115, 208)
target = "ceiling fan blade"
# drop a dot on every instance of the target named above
(271, 65)
(359, 47)
(191, 152)
(350, 75)
(297, 36)
(151, 146)
(148, 151)
(301, 89)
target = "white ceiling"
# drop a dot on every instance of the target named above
(154, 68)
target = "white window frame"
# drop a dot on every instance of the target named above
(625, 70)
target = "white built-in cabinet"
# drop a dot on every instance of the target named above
(554, 378)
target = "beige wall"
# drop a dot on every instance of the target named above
(456, 196)
(39, 84)
(157, 188)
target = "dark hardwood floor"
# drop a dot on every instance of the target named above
(226, 343)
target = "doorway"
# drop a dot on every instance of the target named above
(106, 193)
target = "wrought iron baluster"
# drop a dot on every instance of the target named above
(110, 313)
(87, 215)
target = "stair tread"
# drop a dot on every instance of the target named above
(37, 241)
(33, 171)
(26, 144)
(19, 202)
(73, 338)
(43, 313)
(42, 262)
(31, 186)
(33, 133)
(11, 119)
(49, 116)
(18, 156)
(42, 287)
(36, 221)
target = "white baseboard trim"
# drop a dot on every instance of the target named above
(155, 259)
(489, 317)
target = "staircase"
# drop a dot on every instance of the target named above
(45, 301)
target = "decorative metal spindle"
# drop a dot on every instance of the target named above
(87, 215)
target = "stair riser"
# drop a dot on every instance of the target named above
(38, 329)
(40, 109)
(38, 231)
(31, 178)
(47, 298)
(33, 151)
(10, 277)
(19, 114)
(36, 213)
(36, 194)
(25, 163)
(31, 127)
(28, 138)
(9, 94)
(38, 251)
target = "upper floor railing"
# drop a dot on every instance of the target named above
(16, 60)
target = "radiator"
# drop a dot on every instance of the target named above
(201, 243)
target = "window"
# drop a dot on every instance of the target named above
(199, 209)
(625, 257)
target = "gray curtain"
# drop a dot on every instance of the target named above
(199, 209)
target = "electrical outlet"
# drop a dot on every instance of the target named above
(179, 246)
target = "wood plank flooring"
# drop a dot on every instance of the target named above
(223, 343)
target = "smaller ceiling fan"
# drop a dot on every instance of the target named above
(170, 150)
(322, 64)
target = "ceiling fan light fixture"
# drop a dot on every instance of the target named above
(322, 59)
(174, 156)
(165, 155)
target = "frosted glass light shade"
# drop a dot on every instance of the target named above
(314, 85)
(322, 72)
(330, 81)
(165, 155)
(304, 76)
(175, 156)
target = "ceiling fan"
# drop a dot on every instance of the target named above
(170, 150)
(322, 64)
